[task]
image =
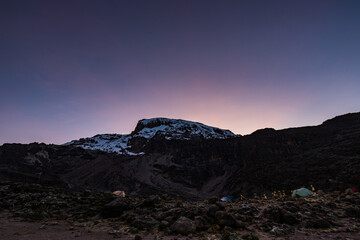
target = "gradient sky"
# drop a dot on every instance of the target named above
(72, 69)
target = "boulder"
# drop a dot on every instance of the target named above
(163, 224)
(149, 202)
(250, 236)
(213, 200)
(145, 222)
(183, 226)
(200, 223)
(212, 211)
(281, 216)
(353, 212)
(317, 223)
(116, 207)
(225, 219)
(349, 191)
(277, 231)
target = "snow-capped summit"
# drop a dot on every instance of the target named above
(178, 129)
(147, 129)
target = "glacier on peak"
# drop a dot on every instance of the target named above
(178, 129)
(147, 128)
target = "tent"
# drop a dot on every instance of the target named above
(119, 193)
(302, 192)
(227, 199)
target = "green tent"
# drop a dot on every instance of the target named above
(302, 192)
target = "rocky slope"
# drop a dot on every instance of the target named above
(326, 156)
(86, 215)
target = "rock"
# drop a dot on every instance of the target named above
(349, 197)
(138, 237)
(200, 223)
(290, 219)
(199, 211)
(212, 211)
(248, 210)
(115, 233)
(170, 219)
(277, 231)
(179, 203)
(163, 224)
(249, 237)
(221, 206)
(158, 215)
(281, 216)
(213, 200)
(149, 202)
(145, 222)
(183, 226)
(225, 236)
(240, 224)
(189, 213)
(349, 191)
(228, 220)
(331, 205)
(291, 207)
(266, 226)
(320, 193)
(174, 212)
(353, 199)
(317, 223)
(116, 207)
(219, 215)
(227, 229)
(52, 223)
(229, 236)
(225, 219)
(353, 212)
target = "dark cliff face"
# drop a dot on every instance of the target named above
(326, 156)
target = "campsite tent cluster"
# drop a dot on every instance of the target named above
(302, 192)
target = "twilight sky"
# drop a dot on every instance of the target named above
(72, 68)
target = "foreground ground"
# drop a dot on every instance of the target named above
(30, 211)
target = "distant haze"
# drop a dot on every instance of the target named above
(72, 69)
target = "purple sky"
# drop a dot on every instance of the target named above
(72, 69)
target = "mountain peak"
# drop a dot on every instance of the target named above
(178, 129)
(147, 129)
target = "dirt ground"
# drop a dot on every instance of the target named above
(30, 212)
(17, 229)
